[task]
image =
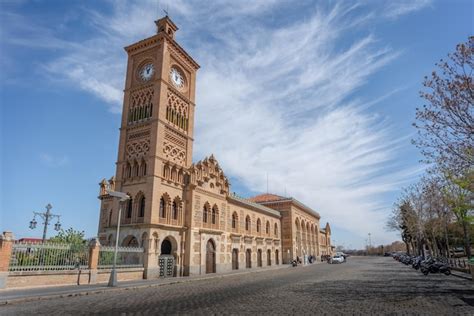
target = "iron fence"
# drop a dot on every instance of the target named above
(28, 256)
(459, 265)
(127, 257)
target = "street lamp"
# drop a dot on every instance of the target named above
(122, 198)
(46, 216)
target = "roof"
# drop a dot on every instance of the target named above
(27, 239)
(238, 199)
(266, 197)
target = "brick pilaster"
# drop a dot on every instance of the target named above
(6, 245)
(94, 248)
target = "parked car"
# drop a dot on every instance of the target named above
(337, 259)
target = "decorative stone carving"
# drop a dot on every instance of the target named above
(138, 148)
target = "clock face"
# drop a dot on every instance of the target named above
(147, 71)
(177, 78)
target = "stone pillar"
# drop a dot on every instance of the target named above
(150, 261)
(94, 248)
(6, 245)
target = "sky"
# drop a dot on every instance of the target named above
(318, 95)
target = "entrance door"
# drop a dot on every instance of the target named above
(166, 263)
(269, 257)
(248, 259)
(210, 257)
(235, 259)
(166, 260)
(259, 257)
(277, 259)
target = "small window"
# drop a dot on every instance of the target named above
(142, 207)
(162, 208)
(129, 208)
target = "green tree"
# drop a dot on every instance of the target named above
(69, 236)
(459, 194)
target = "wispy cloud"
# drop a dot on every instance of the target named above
(398, 8)
(274, 96)
(54, 161)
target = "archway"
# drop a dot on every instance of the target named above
(210, 257)
(259, 257)
(167, 259)
(166, 247)
(248, 259)
(235, 259)
(130, 241)
(269, 257)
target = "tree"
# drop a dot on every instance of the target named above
(69, 236)
(446, 123)
(459, 193)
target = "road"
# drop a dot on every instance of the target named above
(360, 286)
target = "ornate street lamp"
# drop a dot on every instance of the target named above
(46, 216)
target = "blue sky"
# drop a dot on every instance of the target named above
(318, 94)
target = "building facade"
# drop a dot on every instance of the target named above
(181, 212)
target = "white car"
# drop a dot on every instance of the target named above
(337, 259)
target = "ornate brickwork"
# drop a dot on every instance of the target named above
(177, 111)
(174, 153)
(138, 148)
(141, 105)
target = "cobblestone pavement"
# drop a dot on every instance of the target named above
(359, 287)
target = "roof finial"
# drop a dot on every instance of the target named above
(166, 10)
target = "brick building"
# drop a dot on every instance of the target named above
(182, 212)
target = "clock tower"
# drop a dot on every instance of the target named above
(156, 141)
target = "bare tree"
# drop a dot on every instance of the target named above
(446, 123)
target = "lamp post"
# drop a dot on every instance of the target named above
(46, 216)
(122, 198)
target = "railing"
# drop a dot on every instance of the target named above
(459, 265)
(27, 256)
(127, 257)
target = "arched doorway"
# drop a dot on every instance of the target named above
(166, 260)
(259, 257)
(210, 257)
(248, 259)
(166, 247)
(277, 259)
(269, 257)
(235, 259)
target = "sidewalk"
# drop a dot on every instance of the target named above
(10, 296)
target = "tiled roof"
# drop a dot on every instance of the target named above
(236, 198)
(266, 197)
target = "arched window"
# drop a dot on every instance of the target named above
(267, 228)
(128, 170)
(247, 223)
(259, 225)
(175, 210)
(205, 212)
(234, 220)
(276, 230)
(141, 213)
(162, 208)
(110, 218)
(214, 215)
(129, 208)
(135, 169)
(143, 168)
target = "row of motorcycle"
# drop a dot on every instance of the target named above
(425, 265)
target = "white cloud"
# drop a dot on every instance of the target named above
(271, 97)
(398, 8)
(54, 161)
